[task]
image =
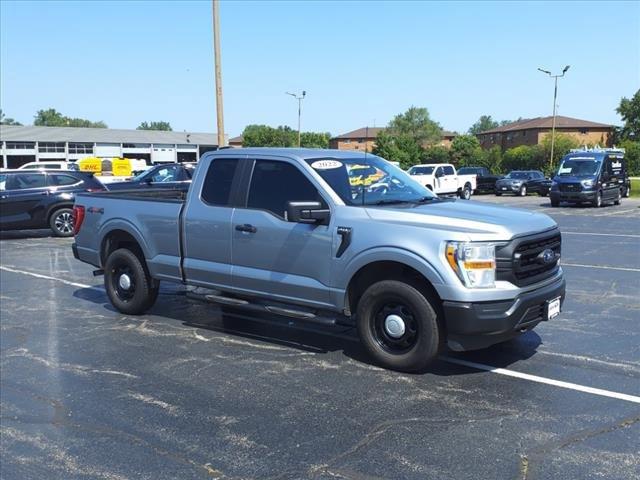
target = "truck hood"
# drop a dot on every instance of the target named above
(478, 219)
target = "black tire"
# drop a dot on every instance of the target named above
(617, 200)
(627, 192)
(421, 341)
(523, 191)
(555, 203)
(597, 202)
(542, 194)
(61, 222)
(498, 194)
(465, 193)
(143, 290)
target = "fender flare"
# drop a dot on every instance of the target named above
(125, 226)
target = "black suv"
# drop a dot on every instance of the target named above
(595, 176)
(485, 180)
(521, 182)
(42, 199)
(175, 176)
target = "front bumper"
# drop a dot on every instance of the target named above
(508, 188)
(471, 326)
(584, 196)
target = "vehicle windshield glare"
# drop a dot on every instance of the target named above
(420, 170)
(370, 181)
(579, 167)
(519, 175)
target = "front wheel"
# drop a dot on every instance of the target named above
(129, 286)
(523, 191)
(597, 202)
(398, 326)
(555, 203)
(61, 222)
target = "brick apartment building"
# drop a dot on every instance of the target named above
(532, 131)
(365, 138)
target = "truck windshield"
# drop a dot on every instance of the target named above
(579, 167)
(371, 182)
(420, 170)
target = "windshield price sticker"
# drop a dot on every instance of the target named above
(326, 164)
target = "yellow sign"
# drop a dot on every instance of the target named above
(90, 164)
(121, 167)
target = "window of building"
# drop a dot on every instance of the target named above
(136, 145)
(217, 184)
(21, 145)
(348, 140)
(583, 131)
(524, 133)
(274, 184)
(81, 148)
(51, 147)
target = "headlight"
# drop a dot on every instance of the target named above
(474, 263)
(587, 183)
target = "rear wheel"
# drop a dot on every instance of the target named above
(61, 222)
(398, 326)
(617, 200)
(555, 203)
(465, 194)
(129, 286)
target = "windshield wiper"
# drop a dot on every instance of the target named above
(391, 202)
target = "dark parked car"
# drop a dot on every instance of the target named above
(485, 180)
(42, 199)
(175, 176)
(521, 182)
(596, 176)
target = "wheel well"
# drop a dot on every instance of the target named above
(389, 270)
(120, 239)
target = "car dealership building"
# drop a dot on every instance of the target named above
(22, 144)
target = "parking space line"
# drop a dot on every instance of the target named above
(601, 234)
(38, 275)
(548, 381)
(623, 269)
(618, 212)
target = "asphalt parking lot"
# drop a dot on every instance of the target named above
(184, 392)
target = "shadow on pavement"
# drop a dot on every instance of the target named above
(174, 305)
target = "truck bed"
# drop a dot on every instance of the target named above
(150, 194)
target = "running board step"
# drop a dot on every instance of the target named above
(226, 300)
(289, 312)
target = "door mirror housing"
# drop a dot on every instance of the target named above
(307, 212)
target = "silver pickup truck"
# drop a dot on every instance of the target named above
(286, 231)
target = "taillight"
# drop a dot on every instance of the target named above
(78, 218)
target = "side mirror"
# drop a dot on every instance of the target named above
(307, 212)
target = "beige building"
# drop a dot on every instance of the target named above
(365, 138)
(532, 131)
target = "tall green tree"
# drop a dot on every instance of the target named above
(484, 123)
(466, 151)
(400, 148)
(629, 110)
(435, 154)
(416, 124)
(52, 118)
(164, 126)
(4, 120)
(315, 139)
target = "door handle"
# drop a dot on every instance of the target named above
(246, 228)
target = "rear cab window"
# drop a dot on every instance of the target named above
(216, 189)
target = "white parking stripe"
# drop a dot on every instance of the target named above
(457, 361)
(37, 275)
(564, 232)
(624, 269)
(547, 381)
(618, 212)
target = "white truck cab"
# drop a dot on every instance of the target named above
(443, 179)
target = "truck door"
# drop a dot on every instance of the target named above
(439, 181)
(272, 256)
(450, 179)
(207, 226)
(22, 200)
(617, 177)
(609, 180)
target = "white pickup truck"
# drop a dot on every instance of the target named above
(442, 178)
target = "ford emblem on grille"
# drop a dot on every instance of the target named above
(546, 256)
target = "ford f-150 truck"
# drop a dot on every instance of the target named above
(442, 179)
(284, 231)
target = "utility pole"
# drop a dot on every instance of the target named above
(555, 96)
(299, 98)
(218, 72)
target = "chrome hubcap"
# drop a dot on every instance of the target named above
(394, 326)
(124, 282)
(64, 223)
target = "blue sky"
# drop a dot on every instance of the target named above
(360, 62)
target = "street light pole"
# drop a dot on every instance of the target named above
(299, 98)
(218, 72)
(555, 96)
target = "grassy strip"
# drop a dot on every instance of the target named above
(635, 187)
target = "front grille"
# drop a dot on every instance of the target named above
(520, 263)
(570, 187)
